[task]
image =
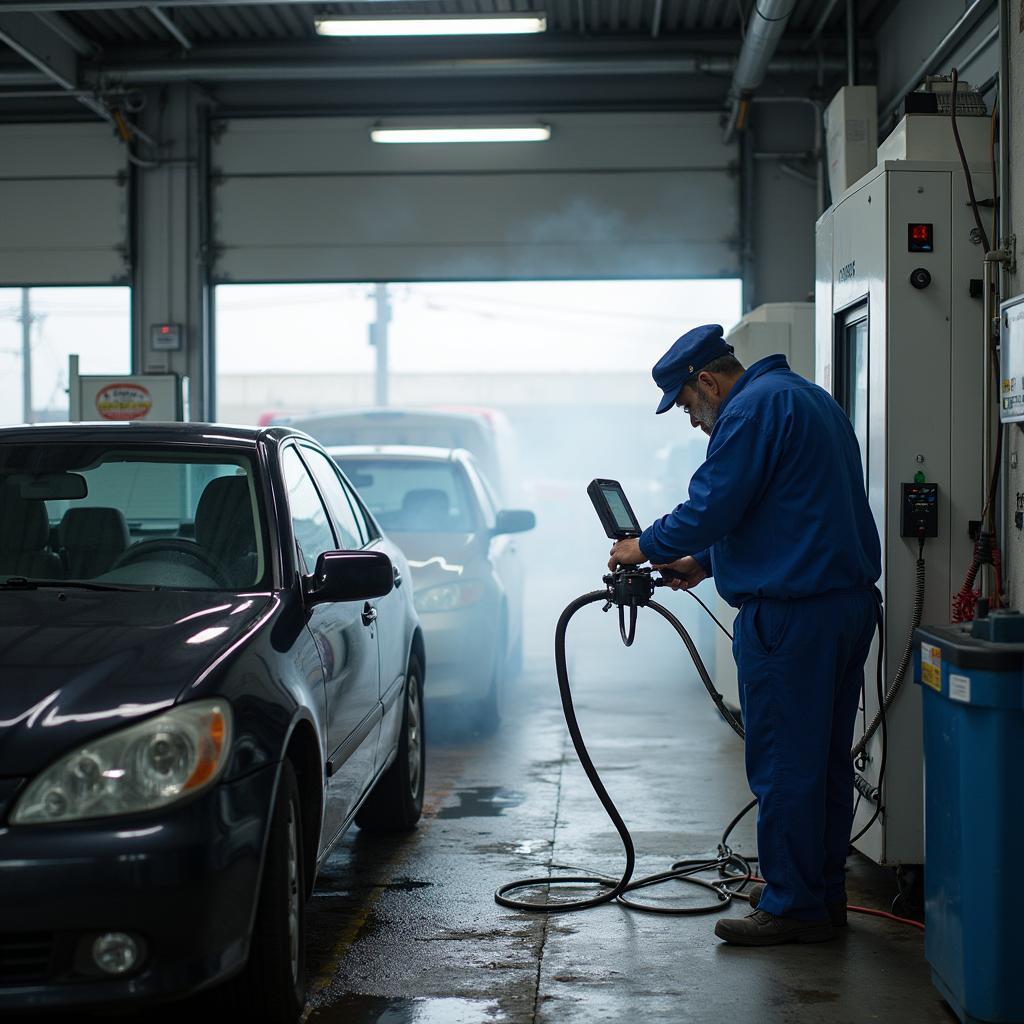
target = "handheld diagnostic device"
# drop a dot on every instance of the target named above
(613, 509)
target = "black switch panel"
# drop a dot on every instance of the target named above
(919, 513)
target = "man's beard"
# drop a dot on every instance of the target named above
(704, 412)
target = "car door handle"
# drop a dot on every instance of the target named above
(398, 577)
(369, 615)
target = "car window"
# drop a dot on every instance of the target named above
(310, 524)
(169, 516)
(367, 525)
(488, 500)
(337, 500)
(414, 495)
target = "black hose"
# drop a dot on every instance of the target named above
(733, 870)
(885, 700)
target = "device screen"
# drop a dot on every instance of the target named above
(623, 519)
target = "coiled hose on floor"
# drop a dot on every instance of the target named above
(733, 871)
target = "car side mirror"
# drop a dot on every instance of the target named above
(514, 520)
(349, 576)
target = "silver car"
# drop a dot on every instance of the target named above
(467, 569)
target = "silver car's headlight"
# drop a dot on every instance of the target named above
(140, 768)
(448, 596)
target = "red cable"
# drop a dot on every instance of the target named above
(861, 910)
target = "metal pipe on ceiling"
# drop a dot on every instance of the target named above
(270, 69)
(767, 24)
(821, 23)
(966, 24)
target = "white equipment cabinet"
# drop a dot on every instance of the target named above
(899, 345)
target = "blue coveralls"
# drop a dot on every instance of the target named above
(779, 516)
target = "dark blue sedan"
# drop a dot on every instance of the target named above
(209, 668)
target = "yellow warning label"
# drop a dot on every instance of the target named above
(931, 667)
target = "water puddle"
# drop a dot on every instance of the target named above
(482, 802)
(360, 1009)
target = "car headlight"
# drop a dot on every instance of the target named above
(140, 768)
(448, 597)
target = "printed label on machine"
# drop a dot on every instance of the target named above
(931, 667)
(960, 688)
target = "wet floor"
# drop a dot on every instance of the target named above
(418, 938)
(406, 931)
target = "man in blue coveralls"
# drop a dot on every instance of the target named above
(777, 514)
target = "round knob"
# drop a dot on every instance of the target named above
(920, 278)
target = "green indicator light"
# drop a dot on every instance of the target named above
(919, 477)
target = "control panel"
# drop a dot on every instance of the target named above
(919, 512)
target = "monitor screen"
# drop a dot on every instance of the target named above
(623, 520)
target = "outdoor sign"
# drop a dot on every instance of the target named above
(122, 399)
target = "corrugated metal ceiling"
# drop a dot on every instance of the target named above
(679, 19)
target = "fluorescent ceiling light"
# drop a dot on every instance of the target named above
(488, 25)
(535, 133)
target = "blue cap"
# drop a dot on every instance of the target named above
(687, 356)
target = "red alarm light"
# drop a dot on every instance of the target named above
(919, 238)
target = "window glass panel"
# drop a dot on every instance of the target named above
(52, 323)
(313, 535)
(336, 498)
(413, 495)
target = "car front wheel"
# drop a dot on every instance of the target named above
(272, 987)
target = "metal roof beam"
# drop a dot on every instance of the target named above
(260, 68)
(36, 6)
(33, 41)
(81, 44)
(169, 26)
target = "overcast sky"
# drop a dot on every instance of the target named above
(547, 327)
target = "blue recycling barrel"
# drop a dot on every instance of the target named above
(972, 682)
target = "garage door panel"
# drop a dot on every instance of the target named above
(61, 231)
(561, 219)
(482, 263)
(549, 225)
(341, 145)
(63, 205)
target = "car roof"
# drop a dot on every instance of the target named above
(153, 433)
(386, 413)
(395, 451)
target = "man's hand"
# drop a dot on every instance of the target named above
(689, 568)
(626, 552)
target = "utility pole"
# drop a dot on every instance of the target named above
(379, 339)
(26, 356)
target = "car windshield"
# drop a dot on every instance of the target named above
(413, 495)
(130, 517)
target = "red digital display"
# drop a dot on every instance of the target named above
(919, 238)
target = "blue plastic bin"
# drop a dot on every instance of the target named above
(973, 702)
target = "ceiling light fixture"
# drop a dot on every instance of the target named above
(534, 133)
(442, 25)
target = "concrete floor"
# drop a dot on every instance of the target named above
(409, 932)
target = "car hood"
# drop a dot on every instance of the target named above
(436, 558)
(75, 664)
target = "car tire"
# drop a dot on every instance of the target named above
(490, 710)
(396, 802)
(272, 987)
(515, 660)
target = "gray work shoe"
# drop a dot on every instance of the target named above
(836, 911)
(763, 929)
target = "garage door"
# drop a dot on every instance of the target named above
(63, 205)
(610, 195)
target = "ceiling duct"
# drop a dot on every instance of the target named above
(767, 24)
